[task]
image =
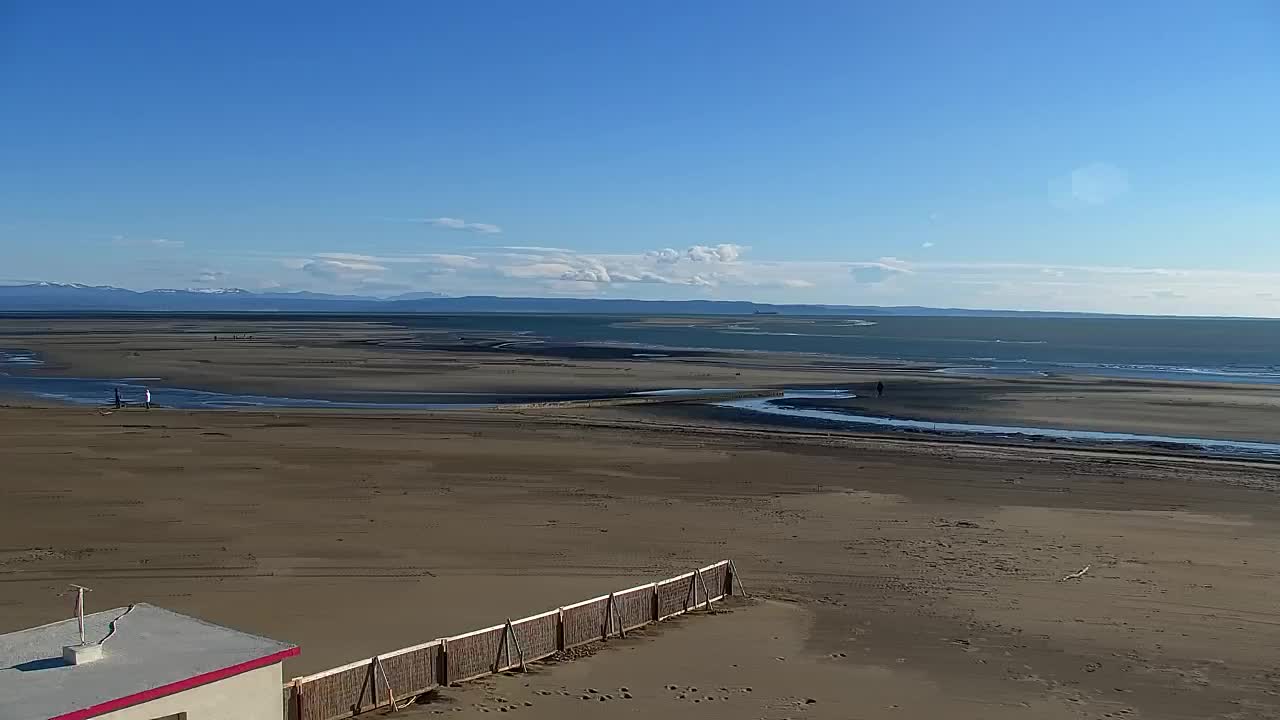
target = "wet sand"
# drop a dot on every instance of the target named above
(921, 575)
(1217, 410)
(361, 361)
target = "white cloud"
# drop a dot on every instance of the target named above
(587, 270)
(530, 248)
(871, 273)
(724, 252)
(661, 267)
(644, 276)
(460, 224)
(359, 261)
(451, 261)
(209, 277)
(350, 257)
(542, 270)
(535, 270)
(665, 256)
(926, 245)
(164, 243)
(332, 269)
(1089, 185)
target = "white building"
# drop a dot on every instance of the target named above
(153, 665)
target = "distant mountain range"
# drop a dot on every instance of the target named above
(47, 297)
(55, 297)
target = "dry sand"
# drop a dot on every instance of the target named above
(917, 574)
(895, 578)
(753, 662)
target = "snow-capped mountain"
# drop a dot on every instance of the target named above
(51, 296)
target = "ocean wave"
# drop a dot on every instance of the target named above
(1017, 342)
(1228, 371)
(990, 371)
(781, 334)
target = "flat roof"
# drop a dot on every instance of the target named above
(152, 653)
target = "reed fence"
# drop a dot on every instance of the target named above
(385, 681)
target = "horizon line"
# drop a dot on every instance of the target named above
(396, 298)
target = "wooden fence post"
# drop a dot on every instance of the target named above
(443, 671)
(560, 629)
(506, 644)
(516, 640)
(706, 591)
(613, 619)
(504, 653)
(657, 607)
(736, 578)
(295, 701)
(370, 684)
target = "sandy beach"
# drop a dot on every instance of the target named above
(934, 569)
(891, 577)
(717, 361)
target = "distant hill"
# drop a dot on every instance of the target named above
(47, 297)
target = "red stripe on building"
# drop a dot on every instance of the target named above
(176, 687)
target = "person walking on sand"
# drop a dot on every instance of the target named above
(880, 389)
(147, 401)
(117, 398)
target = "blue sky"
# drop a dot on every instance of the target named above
(1014, 154)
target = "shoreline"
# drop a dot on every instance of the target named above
(825, 409)
(376, 367)
(1025, 437)
(710, 415)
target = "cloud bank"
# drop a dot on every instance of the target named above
(732, 272)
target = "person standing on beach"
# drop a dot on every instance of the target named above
(880, 388)
(117, 398)
(147, 401)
